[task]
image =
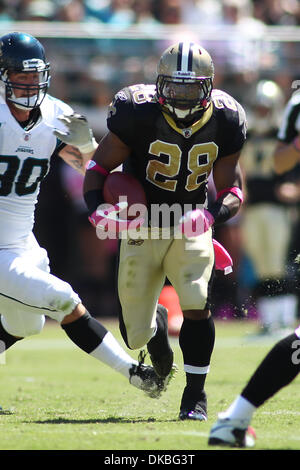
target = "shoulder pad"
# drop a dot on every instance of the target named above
(142, 93)
(221, 100)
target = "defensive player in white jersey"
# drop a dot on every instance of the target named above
(31, 123)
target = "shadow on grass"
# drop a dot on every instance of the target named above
(109, 420)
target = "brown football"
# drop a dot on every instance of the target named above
(118, 186)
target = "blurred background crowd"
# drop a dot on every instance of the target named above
(128, 12)
(98, 46)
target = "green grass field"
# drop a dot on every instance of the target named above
(61, 399)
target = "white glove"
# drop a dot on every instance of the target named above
(79, 133)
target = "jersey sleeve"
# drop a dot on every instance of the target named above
(120, 117)
(232, 123)
(290, 123)
(235, 131)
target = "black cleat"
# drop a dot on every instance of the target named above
(144, 377)
(193, 408)
(159, 348)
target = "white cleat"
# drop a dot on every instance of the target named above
(232, 432)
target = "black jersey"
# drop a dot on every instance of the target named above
(258, 166)
(173, 164)
(289, 129)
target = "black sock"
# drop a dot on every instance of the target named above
(159, 344)
(278, 369)
(6, 339)
(86, 332)
(196, 340)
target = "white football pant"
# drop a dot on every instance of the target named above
(28, 291)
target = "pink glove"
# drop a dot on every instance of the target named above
(196, 222)
(107, 220)
(223, 260)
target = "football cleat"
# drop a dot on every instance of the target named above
(162, 363)
(144, 377)
(193, 408)
(232, 432)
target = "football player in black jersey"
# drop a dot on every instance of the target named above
(281, 365)
(287, 152)
(171, 136)
(271, 211)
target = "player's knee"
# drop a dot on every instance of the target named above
(139, 339)
(64, 299)
(63, 302)
(136, 343)
(34, 329)
(25, 327)
(78, 312)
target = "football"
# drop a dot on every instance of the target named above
(118, 186)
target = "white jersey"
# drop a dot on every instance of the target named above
(24, 162)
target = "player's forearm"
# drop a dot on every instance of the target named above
(109, 155)
(228, 179)
(225, 207)
(287, 156)
(74, 158)
(93, 185)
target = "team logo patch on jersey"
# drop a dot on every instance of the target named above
(25, 149)
(121, 95)
(187, 133)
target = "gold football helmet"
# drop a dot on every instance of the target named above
(266, 109)
(184, 81)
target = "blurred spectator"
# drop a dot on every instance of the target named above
(144, 13)
(5, 14)
(168, 11)
(39, 10)
(72, 11)
(277, 12)
(242, 48)
(235, 12)
(116, 12)
(201, 12)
